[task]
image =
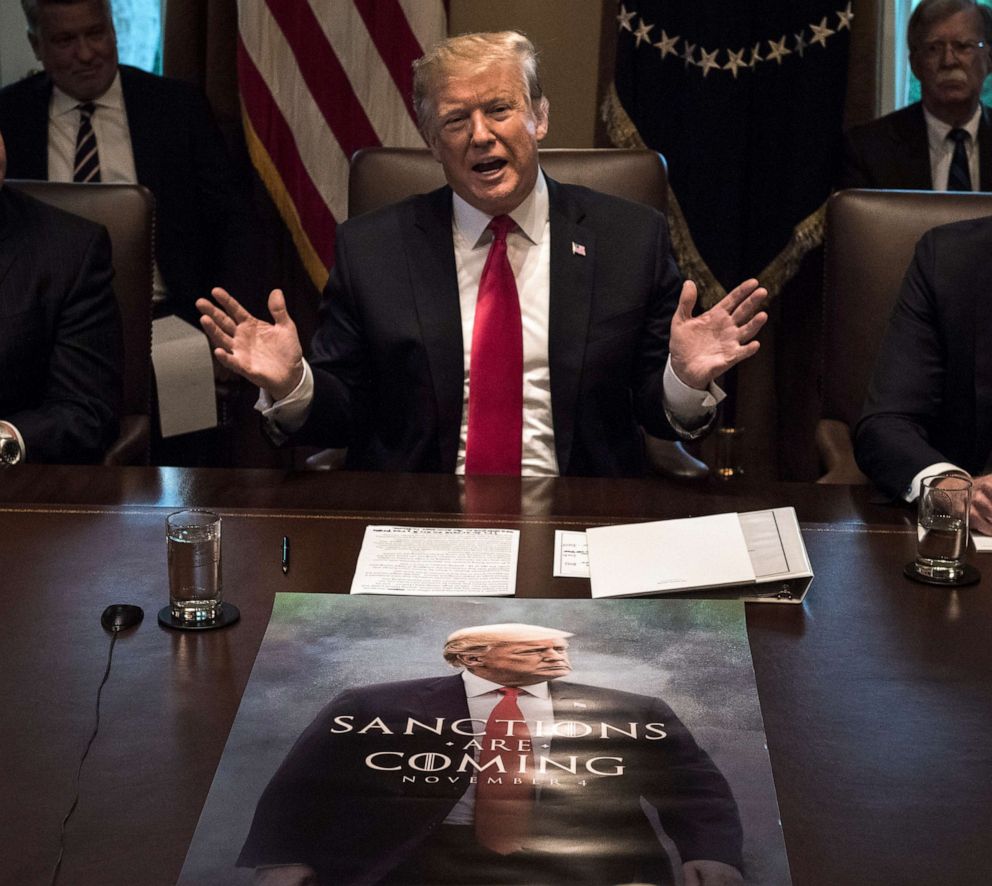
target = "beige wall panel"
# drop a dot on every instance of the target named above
(567, 34)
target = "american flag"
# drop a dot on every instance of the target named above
(320, 79)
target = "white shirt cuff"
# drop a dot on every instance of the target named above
(942, 467)
(688, 408)
(290, 413)
(20, 440)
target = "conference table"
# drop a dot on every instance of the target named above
(876, 692)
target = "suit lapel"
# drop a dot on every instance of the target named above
(145, 126)
(912, 154)
(444, 697)
(985, 150)
(11, 233)
(981, 326)
(573, 262)
(434, 286)
(30, 141)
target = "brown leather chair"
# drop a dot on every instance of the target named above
(379, 176)
(869, 242)
(127, 212)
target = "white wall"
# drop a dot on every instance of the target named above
(16, 57)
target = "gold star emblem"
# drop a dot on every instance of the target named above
(623, 19)
(820, 32)
(666, 45)
(736, 62)
(708, 61)
(777, 50)
(642, 33)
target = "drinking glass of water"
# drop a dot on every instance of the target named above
(942, 527)
(193, 538)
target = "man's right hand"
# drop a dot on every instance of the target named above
(267, 354)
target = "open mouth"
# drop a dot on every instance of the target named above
(487, 167)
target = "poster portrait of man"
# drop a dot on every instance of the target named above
(543, 749)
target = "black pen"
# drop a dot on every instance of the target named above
(285, 555)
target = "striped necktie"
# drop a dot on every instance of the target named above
(959, 176)
(87, 165)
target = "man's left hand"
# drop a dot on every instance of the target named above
(981, 504)
(710, 873)
(704, 347)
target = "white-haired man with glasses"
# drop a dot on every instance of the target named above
(944, 141)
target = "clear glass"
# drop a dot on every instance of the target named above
(942, 527)
(195, 584)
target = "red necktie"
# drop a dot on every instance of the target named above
(496, 366)
(502, 807)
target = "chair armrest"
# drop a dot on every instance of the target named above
(836, 451)
(133, 444)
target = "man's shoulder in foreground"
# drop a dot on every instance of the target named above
(959, 234)
(26, 214)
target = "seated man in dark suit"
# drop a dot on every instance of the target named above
(929, 405)
(944, 141)
(61, 354)
(536, 780)
(505, 323)
(86, 118)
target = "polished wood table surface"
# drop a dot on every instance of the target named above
(876, 692)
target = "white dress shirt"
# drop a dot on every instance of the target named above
(942, 149)
(113, 136)
(529, 252)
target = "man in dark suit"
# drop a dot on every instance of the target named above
(499, 775)
(61, 354)
(593, 293)
(915, 147)
(929, 405)
(156, 131)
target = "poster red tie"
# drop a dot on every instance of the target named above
(504, 799)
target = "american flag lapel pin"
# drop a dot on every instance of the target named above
(578, 248)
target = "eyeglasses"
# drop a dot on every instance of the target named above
(962, 50)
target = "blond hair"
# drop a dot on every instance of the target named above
(480, 639)
(476, 53)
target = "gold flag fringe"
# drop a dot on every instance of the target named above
(269, 173)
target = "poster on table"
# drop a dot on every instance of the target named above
(366, 750)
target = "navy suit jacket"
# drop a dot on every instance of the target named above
(388, 355)
(328, 808)
(893, 152)
(179, 155)
(930, 398)
(61, 355)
